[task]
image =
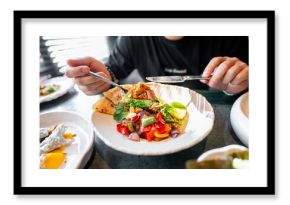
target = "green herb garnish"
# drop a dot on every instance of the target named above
(120, 113)
(137, 103)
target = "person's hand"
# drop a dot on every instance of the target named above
(79, 69)
(229, 74)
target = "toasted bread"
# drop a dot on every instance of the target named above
(115, 95)
(104, 105)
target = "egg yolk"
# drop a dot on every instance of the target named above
(53, 160)
(68, 135)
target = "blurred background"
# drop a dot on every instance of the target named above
(54, 51)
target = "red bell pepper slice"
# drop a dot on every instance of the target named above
(159, 125)
(146, 129)
(162, 128)
(148, 132)
(150, 135)
(160, 118)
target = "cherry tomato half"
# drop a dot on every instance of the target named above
(123, 130)
(135, 118)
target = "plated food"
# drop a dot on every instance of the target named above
(140, 114)
(65, 140)
(48, 89)
(53, 142)
(154, 111)
(228, 157)
(54, 88)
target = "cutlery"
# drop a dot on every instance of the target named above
(175, 79)
(106, 80)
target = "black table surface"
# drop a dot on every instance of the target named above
(104, 157)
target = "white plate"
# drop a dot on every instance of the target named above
(80, 150)
(220, 153)
(201, 120)
(239, 118)
(65, 85)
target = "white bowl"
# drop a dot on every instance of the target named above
(220, 153)
(80, 151)
(239, 118)
(200, 123)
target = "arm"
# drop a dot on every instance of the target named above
(119, 63)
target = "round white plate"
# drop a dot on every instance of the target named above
(200, 123)
(220, 153)
(80, 150)
(65, 85)
(239, 118)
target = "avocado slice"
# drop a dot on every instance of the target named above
(178, 113)
(178, 105)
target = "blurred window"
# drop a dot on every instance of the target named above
(54, 51)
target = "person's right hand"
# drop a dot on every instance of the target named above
(79, 69)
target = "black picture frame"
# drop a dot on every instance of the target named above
(268, 190)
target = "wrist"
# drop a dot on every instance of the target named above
(112, 75)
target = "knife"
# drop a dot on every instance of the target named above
(175, 79)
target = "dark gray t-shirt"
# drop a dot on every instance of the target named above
(155, 55)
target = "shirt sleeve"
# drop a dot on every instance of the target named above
(120, 61)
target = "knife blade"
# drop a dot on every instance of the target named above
(175, 79)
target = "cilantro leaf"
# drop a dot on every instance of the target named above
(120, 113)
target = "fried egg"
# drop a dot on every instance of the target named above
(52, 160)
(53, 148)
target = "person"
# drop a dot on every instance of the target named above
(224, 58)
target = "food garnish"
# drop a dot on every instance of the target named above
(48, 89)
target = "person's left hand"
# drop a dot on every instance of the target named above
(228, 74)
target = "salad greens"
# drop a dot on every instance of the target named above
(166, 115)
(174, 110)
(137, 103)
(120, 113)
(123, 107)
